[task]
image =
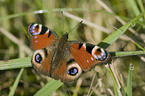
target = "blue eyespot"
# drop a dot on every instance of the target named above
(73, 71)
(38, 58)
(34, 29)
(31, 28)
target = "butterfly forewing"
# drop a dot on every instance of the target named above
(88, 55)
(41, 36)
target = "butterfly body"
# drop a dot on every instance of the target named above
(62, 59)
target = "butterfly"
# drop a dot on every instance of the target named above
(62, 59)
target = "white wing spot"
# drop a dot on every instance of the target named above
(92, 58)
(35, 36)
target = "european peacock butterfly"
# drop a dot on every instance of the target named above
(62, 59)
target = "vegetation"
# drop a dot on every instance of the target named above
(116, 25)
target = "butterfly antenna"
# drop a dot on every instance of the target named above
(76, 26)
(62, 20)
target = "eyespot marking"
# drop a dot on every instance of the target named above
(73, 71)
(38, 58)
(34, 29)
(99, 53)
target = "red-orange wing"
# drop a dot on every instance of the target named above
(88, 55)
(41, 36)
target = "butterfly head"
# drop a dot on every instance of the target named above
(65, 36)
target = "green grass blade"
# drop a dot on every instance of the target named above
(112, 76)
(116, 85)
(16, 83)
(139, 46)
(15, 63)
(127, 53)
(129, 81)
(134, 6)
(141, 5)
(115, 89)
(115, 35)
(122, 90)
(49, 88)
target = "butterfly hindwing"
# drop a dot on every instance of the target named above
(41, 60)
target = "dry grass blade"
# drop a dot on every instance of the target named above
(87, 22)
(117, 17)
(16, 40)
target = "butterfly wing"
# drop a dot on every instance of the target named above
(41, 36)
(88, 55)
(41, 60)
(43, 41)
